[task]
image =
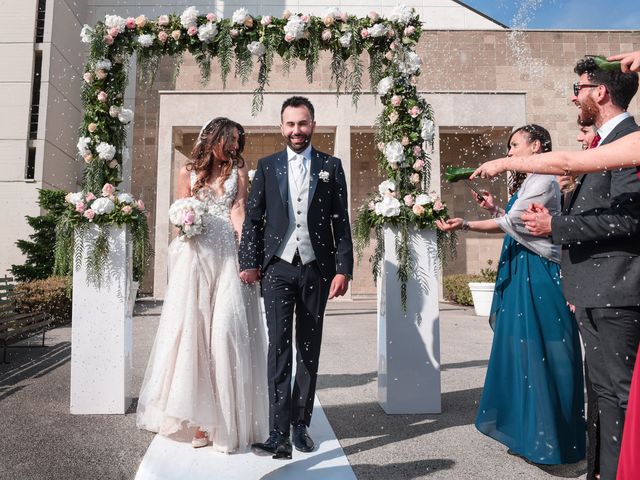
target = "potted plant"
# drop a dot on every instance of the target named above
(482, 292)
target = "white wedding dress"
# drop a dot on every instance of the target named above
(208, 363)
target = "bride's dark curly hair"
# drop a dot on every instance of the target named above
(215, 143)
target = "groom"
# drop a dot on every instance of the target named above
(296, 238)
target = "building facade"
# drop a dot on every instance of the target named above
(481, 78)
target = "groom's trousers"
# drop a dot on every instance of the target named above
(288, 288)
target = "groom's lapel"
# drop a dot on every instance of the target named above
(316, 166)
(282, 168)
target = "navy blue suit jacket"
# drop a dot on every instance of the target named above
(267, 216)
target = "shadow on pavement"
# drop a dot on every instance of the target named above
(31, 363)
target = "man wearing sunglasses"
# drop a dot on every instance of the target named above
(599, 230)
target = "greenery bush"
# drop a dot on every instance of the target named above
(456, 288)
(51, 295)
(38, 250)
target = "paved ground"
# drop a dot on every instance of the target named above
(39, 439)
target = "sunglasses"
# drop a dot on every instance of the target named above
(577, 87)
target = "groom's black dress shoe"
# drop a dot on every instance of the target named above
(301, 438)
(278, 444)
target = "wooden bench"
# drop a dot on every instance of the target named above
(15, 326)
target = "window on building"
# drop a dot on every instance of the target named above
(40, 21)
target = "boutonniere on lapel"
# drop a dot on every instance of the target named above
(324, 175)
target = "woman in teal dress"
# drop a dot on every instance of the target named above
(532, 400)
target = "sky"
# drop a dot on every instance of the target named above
(563, 14)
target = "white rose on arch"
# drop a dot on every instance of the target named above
(125, 198)
(106, 151)
(83, 146)
(377, 30)
(428, 132)
(115, 21)
(295, 27)
(388, 207)
(394, 153)
(387, 187)
(86, 33)
(385, 85)
(146, 40)
(410, 64)
(102, 205)
(257, 49)
(345, 40)
(104, 64)
(125, 116)
(402, 14)
(240, 15)
(189, 17)
(207, 32)
(423, 199)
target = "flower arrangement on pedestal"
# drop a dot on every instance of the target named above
(106, 208)
(240, 41)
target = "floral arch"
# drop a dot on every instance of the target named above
(404, 128)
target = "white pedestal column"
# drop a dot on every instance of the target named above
(409, 341)
(101, 332)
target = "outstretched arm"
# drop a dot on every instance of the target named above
(623, 153)
(240, 202)
(629, 62)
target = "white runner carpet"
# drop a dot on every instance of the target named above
(173, 459)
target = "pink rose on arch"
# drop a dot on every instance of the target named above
(396, 100)
(80, 207)
(305, 18)
(92, 127)
(393, 46)
(415, 178)
(140, 205)
(374, 16)
(364, 33)
(391, 33)
(211, 17)
(192, 30)
(266, 20)
(107, 190)
(286, 14)
(163, 20)
(89, 214)
(405, 141)
(103, 97)
(189, 217)
(393, 117)
(90, 196)
(418, 165)
(381, 146)
(326, 35)
(418, 209)
(328, 20)
(410, 30)
(162, 36)
(417, 150)
(414, 111)
(388, 56)
(88, 158)
(108, 39)
(176, 34)
(131, 23)
(88, 77)
(438, 206)
(289, 38)
(344, 16)
(372, 205)
(234, 32)
(101, 74)
(127, 209)
(114, 32)
(408, 200)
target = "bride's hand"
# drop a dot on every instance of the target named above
(490, 169)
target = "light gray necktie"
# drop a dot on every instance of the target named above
(299, 170)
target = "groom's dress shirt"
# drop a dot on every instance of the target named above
(297, 237)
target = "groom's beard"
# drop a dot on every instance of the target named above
(298, 143)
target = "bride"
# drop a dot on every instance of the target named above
(207, 367)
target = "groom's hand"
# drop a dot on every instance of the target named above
(250, 276)
(339, 286)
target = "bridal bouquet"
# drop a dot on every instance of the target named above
(186, 214)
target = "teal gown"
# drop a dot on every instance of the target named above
(532, 400)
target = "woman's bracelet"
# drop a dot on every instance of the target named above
(465, 225)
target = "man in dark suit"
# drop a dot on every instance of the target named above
(599, 230)
(296, 238)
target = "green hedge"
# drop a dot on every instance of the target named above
(456, 287)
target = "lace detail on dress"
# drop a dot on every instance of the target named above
(219, 206)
